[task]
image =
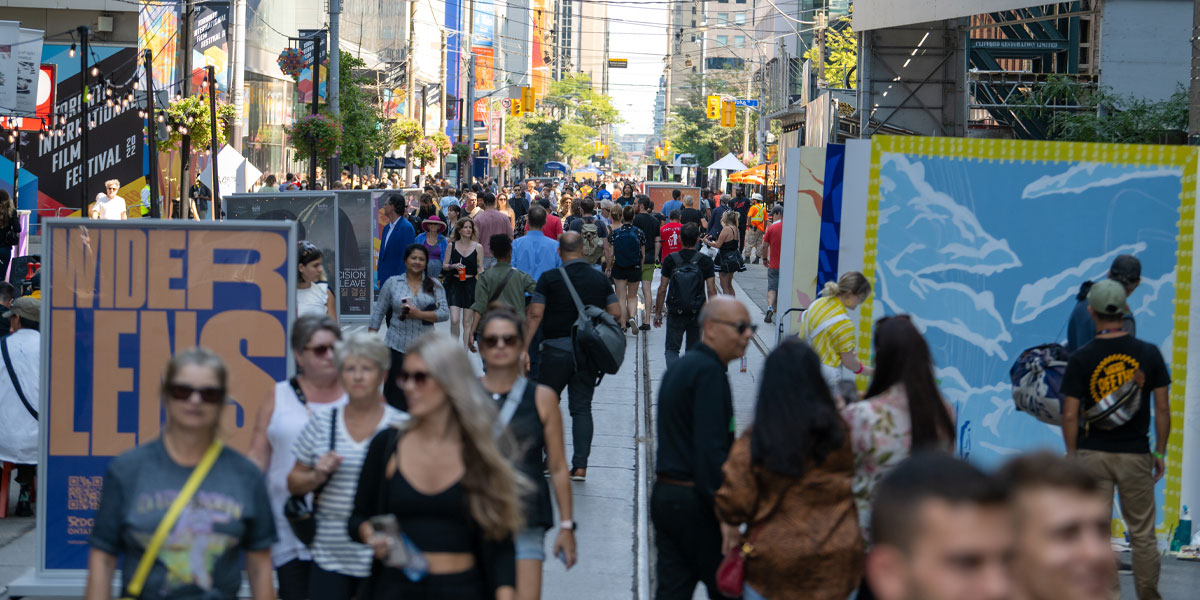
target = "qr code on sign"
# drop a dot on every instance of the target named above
(83, 493)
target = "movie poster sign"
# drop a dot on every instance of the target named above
(119, 299)
(211, 45)
(355, 219)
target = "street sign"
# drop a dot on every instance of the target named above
(1021, 45)
(433, 93)
(714, 107)
(618, 63)
(740, 103)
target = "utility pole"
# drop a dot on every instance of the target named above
(746, 121)
(237, 79)
(821, 24)
(151, 135)
(316, 95)
(214, 187)
(470, 108)
(185, 146)
(409, 102)
(762, 114)
(335, 56)
(84, 122)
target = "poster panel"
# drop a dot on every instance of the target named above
(803, 188)
(356, 219)
(10, 35)
(967, 237)
(831, 215)
(211, 43)
(660, 194)
(313, 213)
(158, 31)
(29, 59)
(119, 298)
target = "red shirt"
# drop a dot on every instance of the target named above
(552, 229)
(672, 241)
(774, 237)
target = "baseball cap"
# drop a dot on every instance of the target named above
(756, 196)
(25, 307)
(1126, 269)
(1107, 297)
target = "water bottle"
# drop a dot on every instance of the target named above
(1183, 531)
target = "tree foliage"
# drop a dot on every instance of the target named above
(544, 140)
(1103, 116)
(691, 130)
(841, 53)
(192, 113)
(367, 133)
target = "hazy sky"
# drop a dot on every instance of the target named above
(638, 32)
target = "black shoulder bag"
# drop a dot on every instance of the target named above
(300, 515)
(16, 382)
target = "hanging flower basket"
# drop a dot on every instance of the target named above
(425, 151)
(462, 150)
(190, 116)
(291, 62)
(441, 141)
(502, 156)
(317, 132)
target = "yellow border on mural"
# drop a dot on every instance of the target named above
(1008, 151)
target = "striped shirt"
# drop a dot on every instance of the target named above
(333, 550)
(834, 340)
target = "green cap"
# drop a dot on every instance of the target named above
(1107, 297)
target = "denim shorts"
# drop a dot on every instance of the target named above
(531, 544)
(772, 280)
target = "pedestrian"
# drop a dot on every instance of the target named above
(201, 196)
(201, 552)
(553, 227)
(772, 241)
(500, 286)
(757, 217)
(453, 216)
(670, 237)
(741, 205)
(270, 186)
(291, 184)
(281, 417)
(715, 221)
(488, 223)
(109, 205)
(425, 208)
(416, 302)
(461, 266)
(447, 200)
(629, 250)
(20, 398)
(627, 198)
(554, 310)
(329, 456)
(1063, 533)
(674, 203)
(594, 234)
(603, 194)
(312, 291)
(503, 206)
(397, 235)
(688, 281)
(1128, 375)
(695, 432)
(529, 412)
(435, 245)
(787, 479)
(690, 214)
(520, 202)
(827, 327)
(645, 221)
(942, 531)
(443, 481)
(10, 230)
(903, 412)
(1126, 270)
(729, 258)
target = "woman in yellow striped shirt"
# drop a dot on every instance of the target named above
(827, 326)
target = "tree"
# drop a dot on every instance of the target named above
(582, 111)
(1102, 116)
(544, 139)
(841, 53)
(691, 130)
(366, 133)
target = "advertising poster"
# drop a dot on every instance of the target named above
(304, 84)
(356, 220)
(660, 194)
(158, 31)
(10, 35)
(482, 45)
(802, 198)
(967, 237)
(29, 59)
(831, 215)
(119, 299)
(211, 43)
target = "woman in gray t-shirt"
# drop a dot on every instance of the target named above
(228, 517)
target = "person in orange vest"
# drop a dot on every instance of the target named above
(756, 223)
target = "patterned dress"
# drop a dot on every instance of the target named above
(881, 438)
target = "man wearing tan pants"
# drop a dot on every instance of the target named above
(1116, 451)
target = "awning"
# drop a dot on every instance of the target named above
(556, 166)
(729, 162)
(390, 162)
(590, 169)
(759, 175)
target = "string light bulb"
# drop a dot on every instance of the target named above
(62, 120)
(95, 71)
(71, 52)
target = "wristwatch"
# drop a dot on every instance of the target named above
(568, 525)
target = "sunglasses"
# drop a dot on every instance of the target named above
(320, 350)
(208, 395)
(418, 378)
(491, 341)
(740, 327)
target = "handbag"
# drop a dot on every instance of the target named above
(302, 516)
(134, 588)
(731, 573)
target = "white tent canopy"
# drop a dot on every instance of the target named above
(729, 162)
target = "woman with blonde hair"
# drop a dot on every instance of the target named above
(444, 481)
(826, 326)
(209, 538)
(729, 259)
(460, 266)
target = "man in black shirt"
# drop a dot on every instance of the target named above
(644, 220)
(680, 319)
(741, 205)
(1120, 456)
(554, 310)
(695, 432)
(690, 214)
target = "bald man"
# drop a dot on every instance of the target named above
(695, 432)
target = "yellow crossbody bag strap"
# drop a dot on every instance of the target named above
(194, 480)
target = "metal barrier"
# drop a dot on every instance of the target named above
(780, 319)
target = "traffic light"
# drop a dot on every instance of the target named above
(604, 147)
(515, 109)
(728, 113)
(667, 149)
(714, 107)
(527, 99)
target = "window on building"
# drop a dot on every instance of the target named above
(739, 18)
(722, 18)
(739, 41)
(740, 1)
(726, 1)
(693, 23)
(693, 10)
(722, 41)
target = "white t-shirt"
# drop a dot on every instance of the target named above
(312, 300)
(112, 209)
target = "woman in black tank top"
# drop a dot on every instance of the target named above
(459, 268)
(529, 413)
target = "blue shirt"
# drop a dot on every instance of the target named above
(671, 205)
(534, 254)
(604, 195)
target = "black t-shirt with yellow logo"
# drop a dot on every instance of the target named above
(1100, 367)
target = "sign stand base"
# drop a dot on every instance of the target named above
(69, 584)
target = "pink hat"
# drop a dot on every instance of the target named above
(433, 219)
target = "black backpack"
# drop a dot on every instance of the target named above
(685, 290)
(598, 341)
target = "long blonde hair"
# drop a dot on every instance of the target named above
(493, 487)
(850, 283)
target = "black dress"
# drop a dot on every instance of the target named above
(461, 293)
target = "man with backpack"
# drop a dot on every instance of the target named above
(594, 234)
(628, 251)
(1111, 382)
(688, 281)
(553, 308)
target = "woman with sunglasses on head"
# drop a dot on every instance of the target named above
(280, 419)
(312, 292)
(417, 301)
(225, 520)
(329, 455)
(530, 413)
(445, 481)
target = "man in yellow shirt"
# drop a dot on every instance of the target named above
(755, 225)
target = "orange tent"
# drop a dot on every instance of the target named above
(754, 175)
